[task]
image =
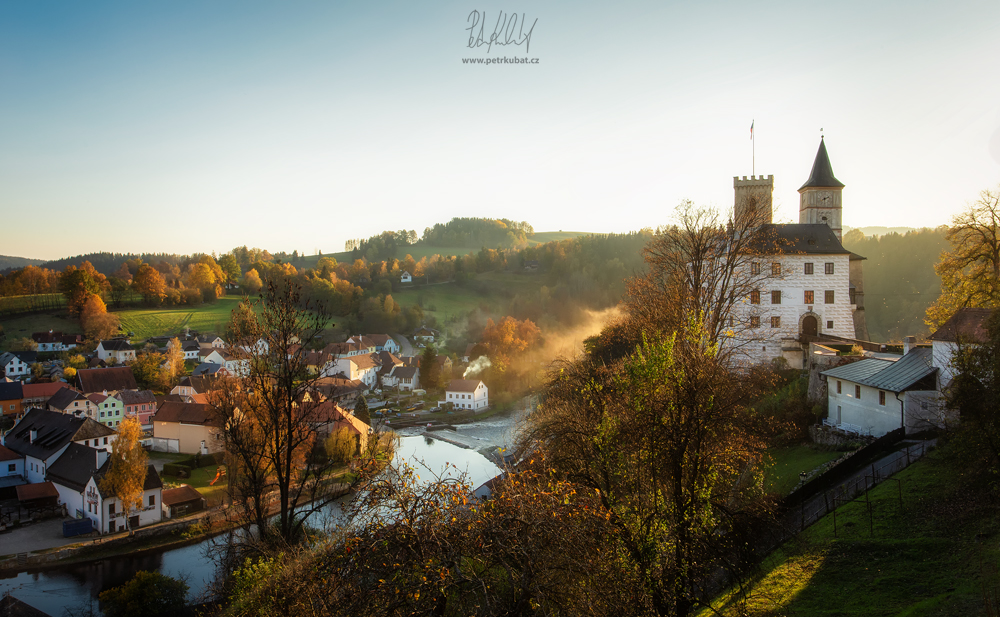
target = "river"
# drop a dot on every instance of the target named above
(75, 588)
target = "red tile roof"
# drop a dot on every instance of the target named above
(41, 490)
(41, 390)
(181, 494)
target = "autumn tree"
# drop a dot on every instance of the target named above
(975, 393)
(970, 271)
(508, 338)
(271, 415)
(703, 267)
(79, 283)
(230, 268)
(149, 283)
(97, 323)
(127, 468)
(173, 363)
(148, 371)
(668, 440)
(251, 283)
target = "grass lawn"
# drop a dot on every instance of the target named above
(22, 326)
(442, 301)
(147, 322)
(199, 479)
(783, 474)
(933, 555)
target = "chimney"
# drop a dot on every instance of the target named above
(909, 342)
(32, 436)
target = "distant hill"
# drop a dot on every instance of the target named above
(542, 237)
(880, 231)
(107, 263)
(18, 262)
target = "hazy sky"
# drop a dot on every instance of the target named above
(200, 126)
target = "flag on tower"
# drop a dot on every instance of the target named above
(751, 130)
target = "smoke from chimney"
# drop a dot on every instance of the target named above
(477, 366)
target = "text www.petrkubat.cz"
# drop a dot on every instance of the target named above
(500, 60)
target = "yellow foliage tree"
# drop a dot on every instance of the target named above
(127, 468)
(97, 323)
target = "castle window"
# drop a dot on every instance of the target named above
(829, 325)
(776, 269)
(881, 397)
(828, 299)
(754, 268)
(754, 321)
(838, 386)
(755, 297)
(828, 268)
(808, 268)
(776, 322)
(776, 297)
(808, 297)
(857, 392)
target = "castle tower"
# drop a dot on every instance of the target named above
(753, 200)
(820, 197)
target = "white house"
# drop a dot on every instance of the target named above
(56, 341)
(967, 325)
(468, 394)
(406, 277)
(118, 350)
(41, 436)
(212, 355)
(211, 340)
(362, 368)
(189, 349)
(874, 396)
(403, 378)
(17, 363)
(106, 511)
(423, 334)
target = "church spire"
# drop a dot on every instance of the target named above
(822, 171)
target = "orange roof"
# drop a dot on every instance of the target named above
(6, 454)
(40, 390)
(41, 490)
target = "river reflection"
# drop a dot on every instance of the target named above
(73, 588)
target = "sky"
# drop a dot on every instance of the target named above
(185, 127)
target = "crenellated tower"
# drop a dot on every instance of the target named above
(820, 197)
(753, 200)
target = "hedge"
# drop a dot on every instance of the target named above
(177, 470)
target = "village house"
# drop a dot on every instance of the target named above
(874, 396)
(17, 363)
(361, 367)
(41, 436)
(38, 394)
(423, 334)
(403, 378)
(139, 404)
(181, 501)
(106, 379)
(366, 344)
(211, 355)
(966, 326)
(209, 369)
(56, 341)
(405, 277)
(11, 395)
(327, 418)
(468, 394)
(106, 512)
(341, 390)
(11, 469)
(384, 342)
(110, 409)
(188, 428)
(192, 385)
(210, 340)
(118, 350)
(189, 349)
(68, 400)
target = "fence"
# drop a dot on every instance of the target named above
(16, 305)
(811, 510)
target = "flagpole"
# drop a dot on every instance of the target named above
(753, 152)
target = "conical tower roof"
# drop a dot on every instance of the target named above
(822, 171)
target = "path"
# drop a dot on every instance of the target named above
(405, 348)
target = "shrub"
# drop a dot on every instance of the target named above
(177, 470)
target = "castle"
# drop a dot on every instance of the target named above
(812, 287)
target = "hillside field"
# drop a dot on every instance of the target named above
(933, 552)
(147, 322)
